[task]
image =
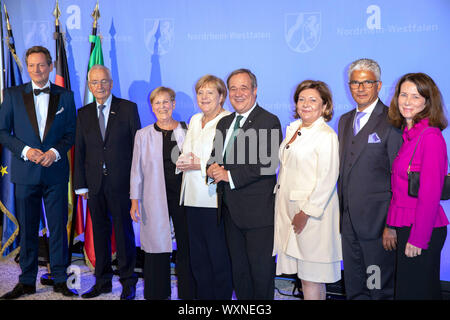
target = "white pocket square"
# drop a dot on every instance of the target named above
(373, 138)
(59, 111)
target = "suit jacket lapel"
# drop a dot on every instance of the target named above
(93, 116)
(362, 136)
(226, 125)
(52, 109)
(112, 117)
(373, 120)
(251, 117)
(28, 100)
(347, 135)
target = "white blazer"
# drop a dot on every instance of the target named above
(195, 192)
(309, 169)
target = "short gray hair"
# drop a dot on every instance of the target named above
(99, 67)
(365, 64)
(248, 72)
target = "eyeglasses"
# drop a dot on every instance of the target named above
(367, 84)
(101, 82)
(164, 103)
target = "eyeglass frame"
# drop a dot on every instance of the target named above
(103, 82)
(367, 84)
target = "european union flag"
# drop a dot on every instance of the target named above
(10, 239)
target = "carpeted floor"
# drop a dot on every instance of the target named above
(9, 273)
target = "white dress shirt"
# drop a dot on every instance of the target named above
(228, 136)
(365, 118)
(41, 108)
(106, 109)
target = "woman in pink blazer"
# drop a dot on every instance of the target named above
(154, 194)
(418, 225)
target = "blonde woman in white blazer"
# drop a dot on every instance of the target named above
(307, 239)
(209, 257)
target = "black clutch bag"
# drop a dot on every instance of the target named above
(414, 180)
(414, 183)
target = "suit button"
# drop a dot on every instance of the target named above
(353, 142)
(287, 147)
(352, 154)
(278, 186)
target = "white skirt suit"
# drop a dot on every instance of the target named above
(309, 170)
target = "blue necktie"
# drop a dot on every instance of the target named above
(101, 120)
(357, 125)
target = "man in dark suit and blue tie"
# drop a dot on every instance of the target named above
(368, 144)
(103, 154)
(37, 123)
(243, 163)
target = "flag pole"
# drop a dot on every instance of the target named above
(88, 240)
(2, 83)
(13, 77)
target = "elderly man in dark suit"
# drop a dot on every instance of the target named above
(37, 123)
(368, 144)
(243, 163)
(103, 154)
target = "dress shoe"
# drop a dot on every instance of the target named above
(47, 280)
(62, 288)
(128, 292)
(96, 290)
(19, 290)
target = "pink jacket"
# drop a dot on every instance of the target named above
(424, 212)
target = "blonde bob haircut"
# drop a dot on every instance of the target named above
(216, 83)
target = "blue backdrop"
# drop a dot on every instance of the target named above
(175, 42)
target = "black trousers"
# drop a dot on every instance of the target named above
(210, 260)
(28, 209)
(157, 281)
(252, 263)
(157, 276)
(185, 278)
(112, 209)
(419, 277)
(362, 260)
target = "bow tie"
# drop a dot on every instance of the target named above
(38, 91)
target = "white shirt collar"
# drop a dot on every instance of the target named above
(369, 109)
(107, 103)
(34, 86)
(247, 113)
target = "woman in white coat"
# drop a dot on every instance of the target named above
(307, 239)
(155, 185)
(209, 257)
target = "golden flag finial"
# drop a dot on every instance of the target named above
(57, 13)
(96, 15)
(8, 25)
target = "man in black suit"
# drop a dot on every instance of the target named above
(37, 123)
(243, 163)
(103, 154)
(368, 144)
